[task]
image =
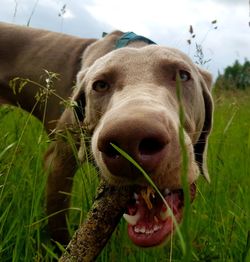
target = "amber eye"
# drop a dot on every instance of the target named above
(184, 75)
(100, 86)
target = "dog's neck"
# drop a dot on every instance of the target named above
(110, 42)
(132, 39)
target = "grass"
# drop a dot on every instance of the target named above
(219, 223)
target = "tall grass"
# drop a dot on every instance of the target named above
(219, 224)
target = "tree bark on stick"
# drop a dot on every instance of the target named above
(103, 217)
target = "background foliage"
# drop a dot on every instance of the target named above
(236, 76)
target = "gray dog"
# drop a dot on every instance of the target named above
(125, 94)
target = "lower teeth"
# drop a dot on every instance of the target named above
(143, 230)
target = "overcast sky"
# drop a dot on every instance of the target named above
(166, 22)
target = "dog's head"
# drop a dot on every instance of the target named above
(131, 101)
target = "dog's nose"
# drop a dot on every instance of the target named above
(144, 140)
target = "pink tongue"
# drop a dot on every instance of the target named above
(153, 226)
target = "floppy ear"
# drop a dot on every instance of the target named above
(79, 96)
(91, 54)
(200, 148)
(100, 48)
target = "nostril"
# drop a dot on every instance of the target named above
(151, 146)
(110, 151)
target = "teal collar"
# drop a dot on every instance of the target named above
(128, 37)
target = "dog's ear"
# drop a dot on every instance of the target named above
(100, 48)
(200, 148)
(79, 96)
(94, 51)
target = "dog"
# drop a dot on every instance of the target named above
(125, 94)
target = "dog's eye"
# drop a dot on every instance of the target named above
(100, 86)
(184, 75)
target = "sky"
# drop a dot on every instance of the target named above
(166, 22)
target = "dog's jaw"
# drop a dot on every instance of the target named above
(150, 225)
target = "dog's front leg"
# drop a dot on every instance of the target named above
(61, 163)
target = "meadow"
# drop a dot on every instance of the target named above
(220, 217)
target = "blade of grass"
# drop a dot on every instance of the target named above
(17, 143)
(184, 174)
(6, 149)
(247, 248)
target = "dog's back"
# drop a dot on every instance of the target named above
(26, 53)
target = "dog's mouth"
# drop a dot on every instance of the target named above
(149, 221)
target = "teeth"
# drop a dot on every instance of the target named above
(136, 196)
(143, 230)
(147, 231)
(156, 219)
(132, 220)
(167, 192)
(137, 230)
(156, 228)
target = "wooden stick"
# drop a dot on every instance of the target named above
(106, 212)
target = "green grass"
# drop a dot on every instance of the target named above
(220, 217)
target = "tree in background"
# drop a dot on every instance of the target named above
(236, 76)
